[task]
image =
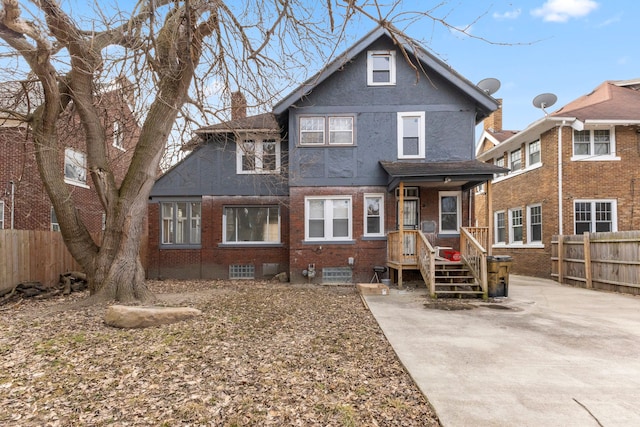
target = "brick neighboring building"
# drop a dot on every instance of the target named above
(315, 187)
(23, 199)
(594, 187)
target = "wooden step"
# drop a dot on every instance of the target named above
(459, 292)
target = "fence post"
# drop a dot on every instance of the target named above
(560, 254)
(587, 260)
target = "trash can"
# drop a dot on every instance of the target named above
(498, 268)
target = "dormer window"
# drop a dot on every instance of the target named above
(256, 155)
(381, 68)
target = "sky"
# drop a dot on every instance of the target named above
(564, 47)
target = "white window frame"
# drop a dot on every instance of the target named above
(537, 144)
(497, 227)
(193, 229)
(458, 196)
(368, 215)
(593, 221)
(328, 218)
(530, 223)
(259, 142)
(1, 215)
(591, 156)
(421, 134)
(118, 135)
(75, 162)
(518, 156)
(512, 226)
(371, 55)
(328, 129)
(225, 236)
(55, 226)
(500, 162)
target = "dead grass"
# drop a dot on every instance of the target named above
(262, 354)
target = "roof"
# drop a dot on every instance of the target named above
(609, 101)
(467, 173)
(260, 123)
(485, 103)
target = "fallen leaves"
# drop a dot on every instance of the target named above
(261, 354)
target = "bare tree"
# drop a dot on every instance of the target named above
(179, 54)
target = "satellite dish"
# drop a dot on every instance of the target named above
(544, 100)
(489, 85)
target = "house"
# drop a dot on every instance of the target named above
(573, 171)
(24, 203)
(364, 165)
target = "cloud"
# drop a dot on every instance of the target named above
(609, 21)
(563, 10)
(461, 31)
(507, 15)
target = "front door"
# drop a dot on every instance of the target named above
(411, 220)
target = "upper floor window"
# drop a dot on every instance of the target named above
(258, 156)
(515, 160)
(450, 211)
(118, 135)
(381, 67)
(1, 215)
(595, 216)
(500, 162)
(181, 223)
(500, 227)
(374, 215)
(55, 226)
(533, 153)
(328, 218)
(251, 224)
(322, 130)
(534, 221)
(411, 135)
(75, 167)
(515, 225)
(593, 143)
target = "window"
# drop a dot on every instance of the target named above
(118, 135)
(595, 142)
(595, 216)
(534, 153)
(54, 221)
(501, 229)
(515, 160)
(181, 223)
(411, 135)
(500, 162)
(534, 221)
(258, 156)
(374, 214)
(328, 219)
(450, 211)
(515, 221)
(381, 68)
(1, 215)
(338, 128)
(251, 224)
(75, 167)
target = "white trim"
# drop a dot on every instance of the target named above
(495, 227)
(529, 223)
(614, 212)
(258, 141)
(511, 227)
(421, 134)
(1, 214)
(611, 155)
(392, 67)
(380, 214)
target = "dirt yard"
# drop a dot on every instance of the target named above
(261, 354)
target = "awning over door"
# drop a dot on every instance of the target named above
(465, 174)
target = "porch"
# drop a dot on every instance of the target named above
(412, 250)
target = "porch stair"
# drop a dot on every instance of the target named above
(454, 279)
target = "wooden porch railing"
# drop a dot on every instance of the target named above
(474, 254)
(414, 251)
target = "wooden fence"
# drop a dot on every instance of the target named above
(37, 256)
(607, 261)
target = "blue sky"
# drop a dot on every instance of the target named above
(566, 47)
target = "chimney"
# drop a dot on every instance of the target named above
(494, 121)
(238, 106)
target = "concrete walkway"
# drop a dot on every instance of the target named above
(551, 355)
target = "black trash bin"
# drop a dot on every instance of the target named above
(498, 269)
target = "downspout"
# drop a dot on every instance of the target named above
(560, 229)
(13, 193)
